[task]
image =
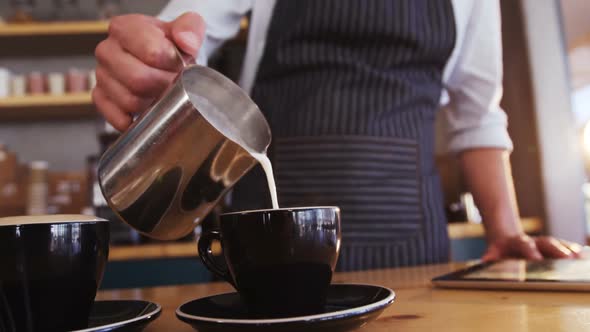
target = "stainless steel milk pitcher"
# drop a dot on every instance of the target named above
(171, 167)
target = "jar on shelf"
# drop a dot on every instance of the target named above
(18, 85)
(36, 83)
(76, 81)
(56, 83)
(5, 77)
(38, 188)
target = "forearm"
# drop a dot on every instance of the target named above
(489, 178)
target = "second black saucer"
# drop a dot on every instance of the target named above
(121, 316)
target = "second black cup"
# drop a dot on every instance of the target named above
(280, 261)
(50, 269)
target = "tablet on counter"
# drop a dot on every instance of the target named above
(556, 274)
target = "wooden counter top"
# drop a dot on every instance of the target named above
(152, 251)
(157, 251)
(418, 307)
(466, 230)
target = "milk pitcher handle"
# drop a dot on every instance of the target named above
(184, 59)
(206, 255)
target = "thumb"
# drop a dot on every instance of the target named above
(188, 32)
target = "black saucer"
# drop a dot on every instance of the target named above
(348, 306)
(121, 316)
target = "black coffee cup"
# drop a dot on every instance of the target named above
(50, 269)
(280, 261)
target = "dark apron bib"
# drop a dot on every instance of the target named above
(350, 89)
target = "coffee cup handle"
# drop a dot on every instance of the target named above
(206, 256)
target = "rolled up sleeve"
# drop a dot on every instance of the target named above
(473, 115)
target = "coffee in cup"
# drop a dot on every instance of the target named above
(280, 261)
(50, 270)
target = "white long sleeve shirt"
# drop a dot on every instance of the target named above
(472, 78)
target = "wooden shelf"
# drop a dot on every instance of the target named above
(157, 251)
(54, 28)
(65, 28)
(46, 100)
(51, 38)
(62, 38)
(46, 107)
(472, 230)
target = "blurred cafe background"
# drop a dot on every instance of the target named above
(51, 137)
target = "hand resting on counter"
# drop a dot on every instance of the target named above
(532, 248)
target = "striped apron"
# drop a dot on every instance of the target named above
(350, 89)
